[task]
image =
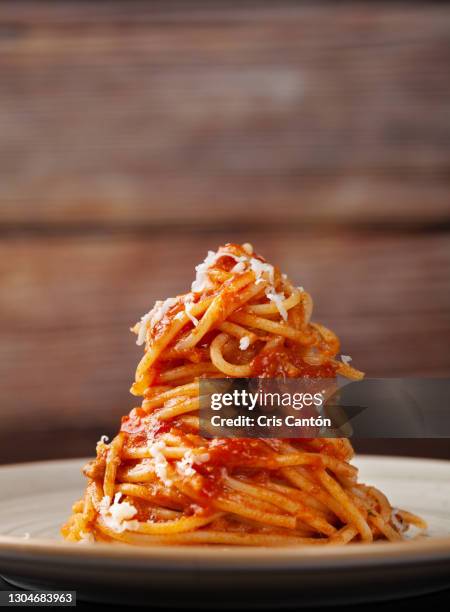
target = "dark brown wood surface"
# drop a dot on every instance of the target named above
(145, 112)
(135, 136)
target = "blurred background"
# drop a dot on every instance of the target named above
(135, 136)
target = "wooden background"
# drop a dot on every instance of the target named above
(134, 136)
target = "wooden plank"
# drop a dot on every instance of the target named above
(67, 357)
(200, 114)
(207, 201)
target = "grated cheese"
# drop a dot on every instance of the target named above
(86, 538)
(117, 515)
(346, 359)
(160, 462)
(188, 305)
(153, 317)
(184, 466)
(244, 343)
(162, 309)
(201, 270)
(142, 325)
(105, 504)
(201, 278)
(277, 299)
(240, 266)
(260, 268)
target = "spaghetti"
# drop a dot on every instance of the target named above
(159, 481)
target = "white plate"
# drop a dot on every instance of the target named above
(36, 498)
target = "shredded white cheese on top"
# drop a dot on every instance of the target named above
(160, 462)
(240, 266)
(105, 504)
(188, 305)
(153, 317)
(201, 270)
(243, 262)
(184, 466)
(244, 343)
(346, 359)
(117, 515)
(142, 326)
(201, 278)
(277, 299)
(86, 538)
(260, 268)
(263, 271)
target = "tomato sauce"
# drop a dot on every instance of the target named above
(237, 451)
(133, 423)
(141, 427)
(289, 362)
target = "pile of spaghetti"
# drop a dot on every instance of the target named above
(160, 481)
